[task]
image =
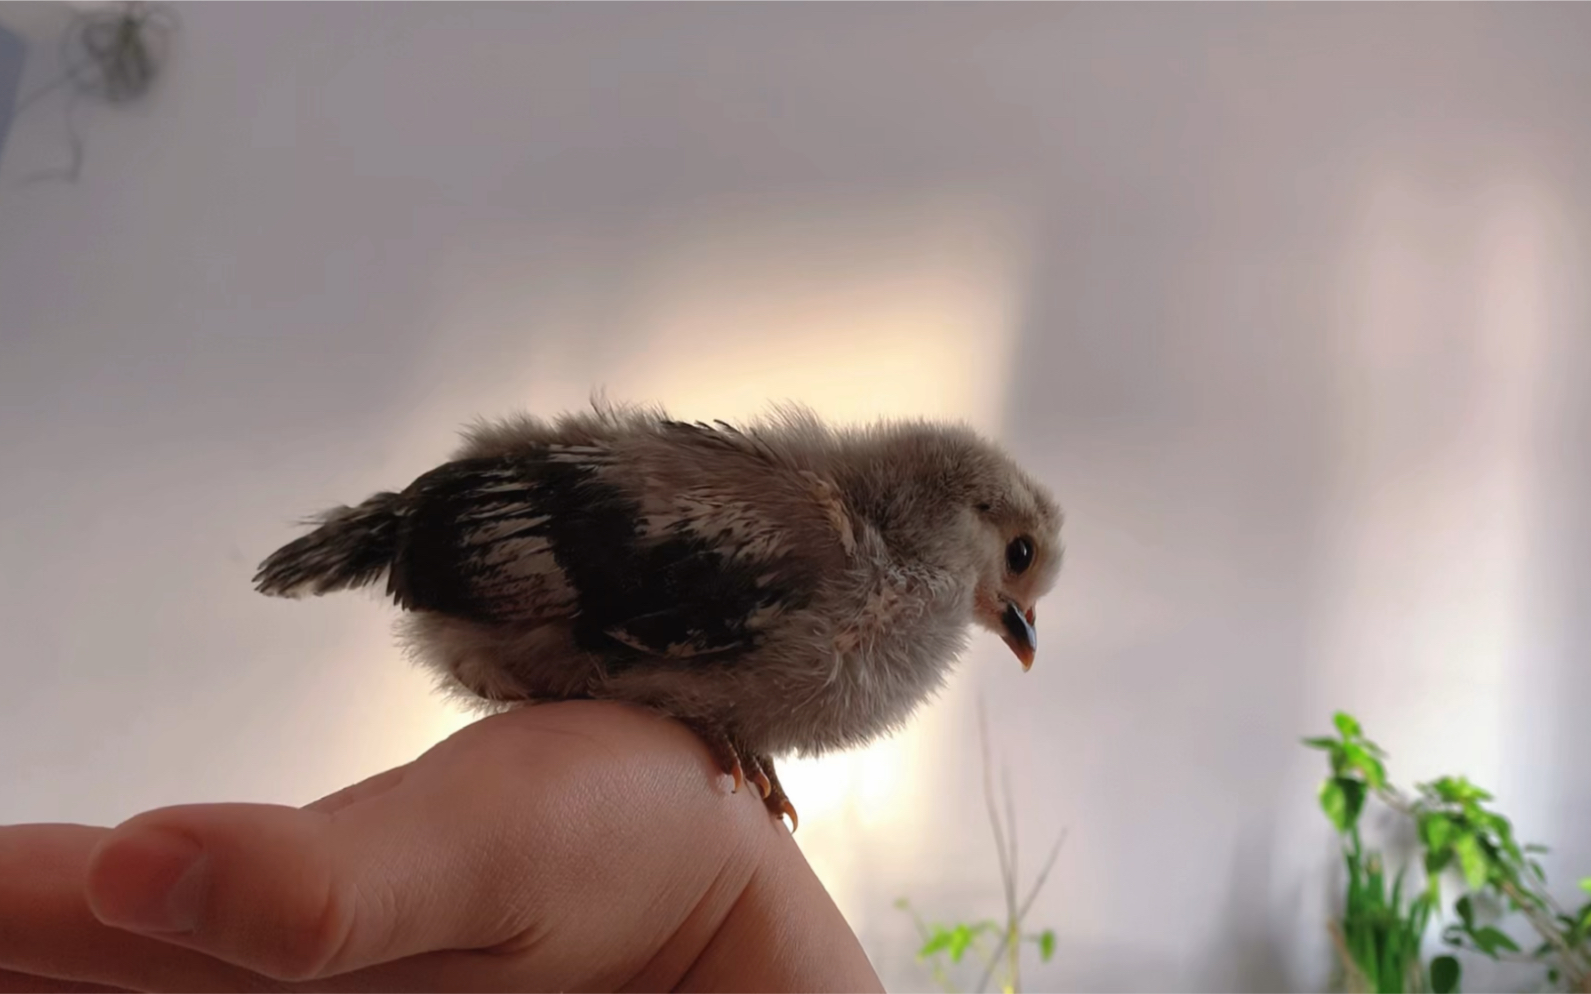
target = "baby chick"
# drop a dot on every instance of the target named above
(780, 588)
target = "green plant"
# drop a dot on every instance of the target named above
(1460, 834)
(996, 945)
(1378, 939)
(988, 942)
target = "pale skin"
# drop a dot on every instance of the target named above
(571, 846)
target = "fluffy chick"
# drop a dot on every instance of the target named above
(780, 588)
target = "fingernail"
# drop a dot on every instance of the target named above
(149, 880)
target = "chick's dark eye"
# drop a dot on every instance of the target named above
(1019, 554)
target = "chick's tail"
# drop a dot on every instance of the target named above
(352, 547)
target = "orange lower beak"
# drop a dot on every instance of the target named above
(1019, 634)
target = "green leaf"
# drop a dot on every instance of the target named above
(960, 939)
(1046, 944)
(1436, 861)
(1436, 831)
(1321, 743)
(1585, 885)
(1491, 939)
(1445, 973)
(1471, 860)
(1359, 758)
(937, 942)
(1346, 724)
(1419, 916)
(1501, 829)
(1466, 911)
(1472, 792)
(1342, 799)
(1334, 802)
(1457, 790)
(1581, 927)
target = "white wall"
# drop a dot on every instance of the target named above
(1286, 301)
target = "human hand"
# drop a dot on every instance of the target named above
(573, 846)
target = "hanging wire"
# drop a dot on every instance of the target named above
(112, 54)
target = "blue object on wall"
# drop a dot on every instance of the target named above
(11, 52)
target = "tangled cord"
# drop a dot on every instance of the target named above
(109, 54)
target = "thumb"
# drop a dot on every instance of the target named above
(567, 834)
(293, 894)
(579, 837)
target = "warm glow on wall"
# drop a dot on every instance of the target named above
(866, 312)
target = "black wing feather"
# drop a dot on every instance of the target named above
(546, 537)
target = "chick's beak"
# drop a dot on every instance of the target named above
(1019, 633)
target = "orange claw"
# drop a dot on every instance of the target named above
(788, 809)
(761, 780)
(738, 775)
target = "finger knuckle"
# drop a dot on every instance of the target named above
(317, 938)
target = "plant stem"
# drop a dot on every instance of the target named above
(1013, 918)
(1004, 846)
(1027, 904)
(1533, 915)
(1354, 976)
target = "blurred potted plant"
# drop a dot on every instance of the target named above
(1378, 939)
